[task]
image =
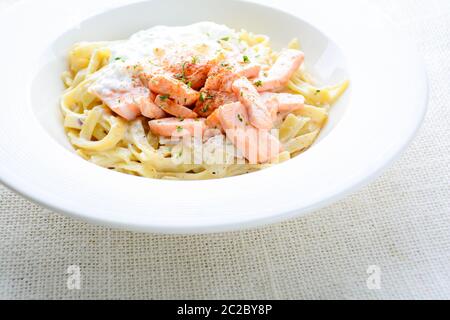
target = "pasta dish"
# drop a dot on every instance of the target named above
(195, 102)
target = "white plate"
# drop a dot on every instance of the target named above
(372, 124)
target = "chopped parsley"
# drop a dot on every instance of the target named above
(317, 92)
(246, 59)
(179, 128)
(189, 84)
(205, 108)
(164, 97)
(195, 60)
(202, 97)
(258, 83)
(225, 38)
(240, 118)
(182, 75)
(119, 58)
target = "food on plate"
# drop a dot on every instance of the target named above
(195, 102)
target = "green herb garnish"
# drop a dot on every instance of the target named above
(258, 83)
(164, 97)
(182, 76)
(205, 108)
(225, 38)
(240, 118)
(246, 59)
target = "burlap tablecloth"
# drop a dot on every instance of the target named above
(400, 223)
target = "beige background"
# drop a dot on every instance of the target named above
(401, 223)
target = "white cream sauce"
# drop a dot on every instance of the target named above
(142, 44)
(146, 49)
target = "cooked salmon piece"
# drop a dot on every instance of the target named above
(173, 108)
(177, 90)
(259, 115)
(281, 72)
(233, 116)
(150, 110)
(241, 65)
(272, 106)
(285, 102)
(173, 127)
(248, 70)
(126, 103)
(222, 75)
(213, 120)
(221, 78)
(257, 145)
(210, 100)
(193, 72)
